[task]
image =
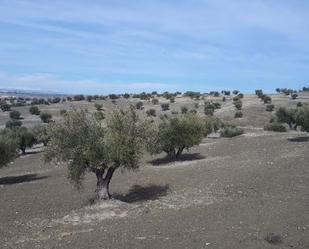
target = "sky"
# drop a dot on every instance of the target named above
(116, 46)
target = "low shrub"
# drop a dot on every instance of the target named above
(238, 114)
(139, 105)
(184, 109)
(46, 117)
(13, 123)
(34, 110)
(275, 126)
(231, 131)
(15, 115)
(165, 107)
(151, 112)
(270, 107)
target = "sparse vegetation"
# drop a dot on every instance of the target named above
(165, 107)
(270, 107)
(231, 131)
(238, 114)
(151, 112)
(15, 114)
(275, 126)
(139, 105)
(184, 109)
(98, 106)
(45, 117)
(34, 110)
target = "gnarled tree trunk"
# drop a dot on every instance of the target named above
(103, 183)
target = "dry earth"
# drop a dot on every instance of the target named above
(247, 192)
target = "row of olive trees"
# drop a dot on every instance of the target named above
(86, 144)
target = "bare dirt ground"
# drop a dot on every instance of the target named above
(247, 192)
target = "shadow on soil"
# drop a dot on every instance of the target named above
(183, 158)
(9, 180)
(139, 193)
(299, 139)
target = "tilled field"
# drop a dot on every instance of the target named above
(246, 192)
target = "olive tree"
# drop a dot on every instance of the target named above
(174, 134)
(86, 145)
(8, 148)
(302, 118)
(287, 116)
(25, 139)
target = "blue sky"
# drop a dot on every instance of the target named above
(79, 46)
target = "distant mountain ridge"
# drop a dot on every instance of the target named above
(16, 91)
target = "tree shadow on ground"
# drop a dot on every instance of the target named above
(183, 158)
(138, 193)
(299, 139)
(9, 180)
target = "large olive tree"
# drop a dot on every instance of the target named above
(87, 145)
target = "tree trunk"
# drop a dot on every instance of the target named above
(103, 183)
(23, 151)
(180, 150)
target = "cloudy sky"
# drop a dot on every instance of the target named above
(104, 46)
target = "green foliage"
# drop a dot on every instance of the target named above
(174, 134)
(25, 138)
(172, 100)
(79, 97)
(266, 99)
(235, 92)
(5, 107)
(212, 124)
(238, 114)
(113, 96)
(259, 93)
(302, 118)
(192, 95)
(155, 101)
(238, 104)
(231, 131)
(165, 107)
(139, 105)
(294, 95)
(45, 117)
(8, 148)
(15, 115)
(151, 112)
(40, 134)
(184, 109)
(13, 123)
(270, 107)
(275, 126)
(99, 115)
(126, 95)
(286, 116)
(62, 112)
(34, 110)
(85, 145)
(240, 95)
(98, 106)
(299, 104)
